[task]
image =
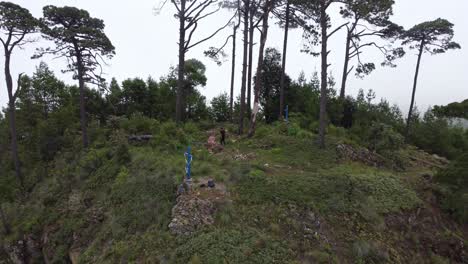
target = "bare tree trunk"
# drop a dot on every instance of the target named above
(258, 78)
(408, 121)
(244, 65)
(84, 130)
(251, 44)
(233, 72)
(12, 112)
(181, 69)
(283, 67)
(323, 89)
(346, 65)
(5, 224)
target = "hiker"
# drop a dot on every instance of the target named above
(223, 136)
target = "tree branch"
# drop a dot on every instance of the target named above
(187, 43)
(336, 30)
(176, 6)
(212, 35)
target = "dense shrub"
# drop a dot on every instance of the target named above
(219, 109)
(233, 246)
(454, 188)
(435, 135)
(382, 138)
(138, 124)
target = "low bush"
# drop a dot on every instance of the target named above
(454, 188)
(369, 252)
(231, 246)
(342, 189)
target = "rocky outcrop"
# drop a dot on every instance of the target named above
(25, 251)
(190, 214)
(429, 232)
(359, 154)
(16, 252)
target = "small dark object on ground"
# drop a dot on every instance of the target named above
(181, 190)
(211, 184)
(202, 185)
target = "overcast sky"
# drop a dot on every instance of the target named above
(146, 46)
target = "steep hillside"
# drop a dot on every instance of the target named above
(278, 199)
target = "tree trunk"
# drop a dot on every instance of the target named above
(244, 65)
(233, 70)
(181, 67)
(283, 67)
(251, 44)
(323, 89)
(408, 121)
(258, 78)
(346, 65)
(12, 112)
(84, 130)
(5, 224)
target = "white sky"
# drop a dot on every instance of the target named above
(146, 46)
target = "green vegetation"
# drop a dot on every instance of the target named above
(459, 110)
(118, 197)
(454, 188)
(95, 175)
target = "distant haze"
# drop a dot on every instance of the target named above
(146, 46)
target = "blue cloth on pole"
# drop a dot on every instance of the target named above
(188, 163)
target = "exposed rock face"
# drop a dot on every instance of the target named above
(429, 227)
(348, 152)
(311, 224)
(190, 214)
(25, 251)
(16, 252)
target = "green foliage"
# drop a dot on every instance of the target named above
(135, 97)
(120, 147)
(171, 137)
(337, 190)
(435, 135)
(220, 109)
(16, 20)
(377, 15)
(113, 200)
(138, 201)
(138, 124)
(220, 246)
(369, 252)
(8, 187)
(270, 89)
(382, 138)
(73, 29)
(320, 257)
(459, 110)
(432, 36)
(454, 191)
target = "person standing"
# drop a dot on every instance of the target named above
(223, 136)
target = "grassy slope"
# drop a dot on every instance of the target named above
(291, 203)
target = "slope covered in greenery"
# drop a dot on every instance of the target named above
(289, 202)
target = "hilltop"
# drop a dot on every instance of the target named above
(278, 199)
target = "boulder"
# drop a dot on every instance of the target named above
(359, 154)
